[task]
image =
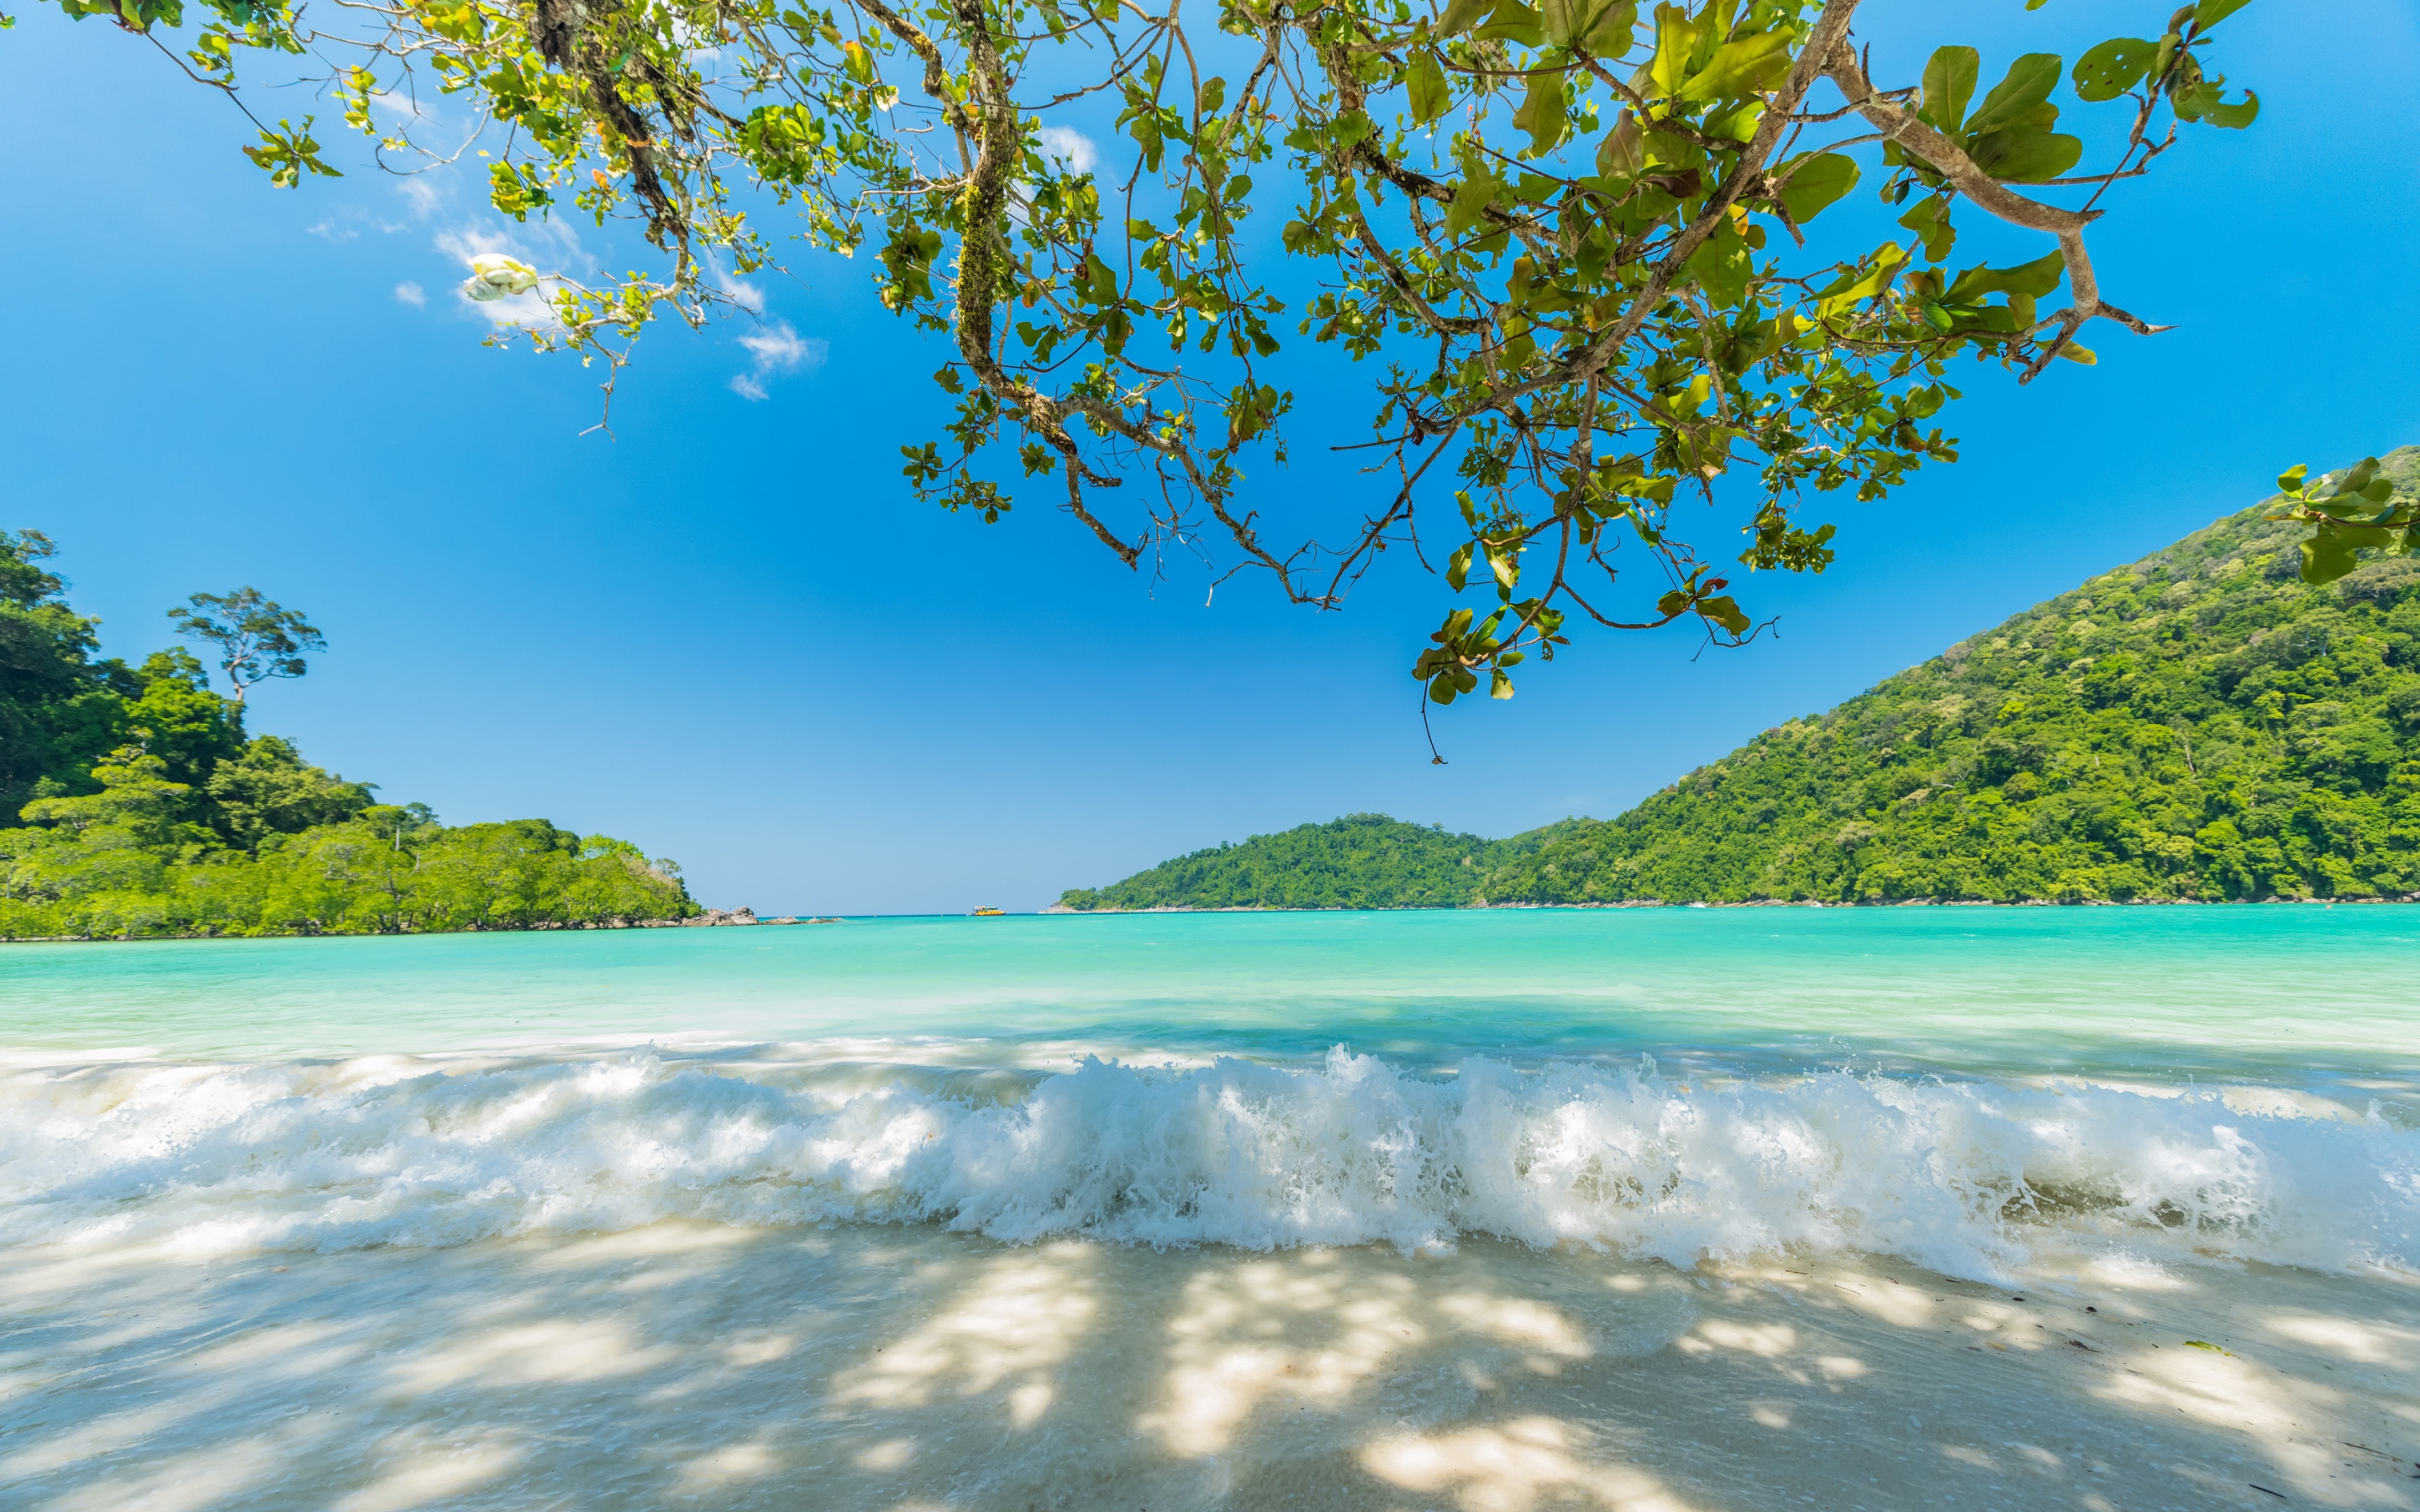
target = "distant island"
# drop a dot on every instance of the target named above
(137, 805)
(2200, 725)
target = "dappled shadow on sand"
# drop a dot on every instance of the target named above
(910, 1369)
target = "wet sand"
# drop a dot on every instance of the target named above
(909, 1370)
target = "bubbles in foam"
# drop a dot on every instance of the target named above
(1961, 1177)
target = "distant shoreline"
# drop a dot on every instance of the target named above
(705, 919)
(1753, 902)
(727, 921)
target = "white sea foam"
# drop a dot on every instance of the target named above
(1962, 1177)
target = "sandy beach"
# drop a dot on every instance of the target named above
(912, 1369)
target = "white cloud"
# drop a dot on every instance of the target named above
(411, 293)
(777, 349)
(402, 107)
(749, 297)
(422, 193)
(1070, 146)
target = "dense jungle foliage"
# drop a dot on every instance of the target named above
(147, 809)
(1363, 860)
(2201, 724)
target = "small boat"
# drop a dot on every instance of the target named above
(988, 913)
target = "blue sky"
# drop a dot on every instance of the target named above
(728, 633)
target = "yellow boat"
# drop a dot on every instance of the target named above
(988, 913)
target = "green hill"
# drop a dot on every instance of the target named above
(2198, 724)
(1363, 860)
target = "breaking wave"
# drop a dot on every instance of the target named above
(1965, 1178)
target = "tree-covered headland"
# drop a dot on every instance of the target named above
(135, 802)
(1363, 860)
(2204, 723)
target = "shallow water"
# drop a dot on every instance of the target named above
(1933, 1084)
(2170, 991)
(405, 1149)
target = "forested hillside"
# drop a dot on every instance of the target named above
(2201, 724)
(135, 803)
(1363, 860)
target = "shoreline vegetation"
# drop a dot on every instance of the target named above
(1749, 902)
(147, 809)
(2199, 726)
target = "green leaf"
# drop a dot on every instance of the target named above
(1623, 151)
(1743, 67)
(1429, 93)
(1457, 568)
(1470, 203)
(2326, 557)
(1504, 566)
(1929, 218)
(1610, 35)
(1598, 25)
(2290, 481)
(1885, 260)
(1501, 684)
(1815, 182)
(1948, 84)
(1676, 42)
(2027, 84)
(1563, 21)
(1541, 113)
(1724, 611)
(2025, 155)
(2211, 12)
(2356, 478)
(2034, 280)
(1461, 15)
(1723, 266)
(1514, 22)
(2207, 102)
(2112, 67)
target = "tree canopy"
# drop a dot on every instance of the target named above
(1585, 250)
(2202, 724)
(257, 637)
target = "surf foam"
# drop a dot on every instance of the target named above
(1962, 1177)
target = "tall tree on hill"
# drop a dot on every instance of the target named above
(257, 638)
(1579, 236)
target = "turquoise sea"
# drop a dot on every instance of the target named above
(773, 1072)
(1218, 1210)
